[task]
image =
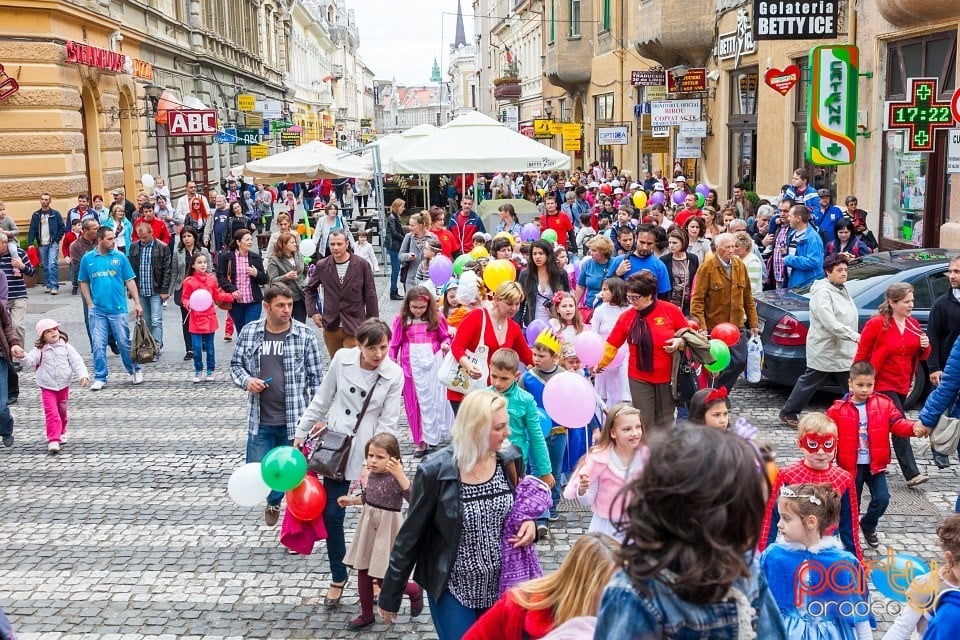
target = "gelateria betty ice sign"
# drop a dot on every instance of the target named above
(832, 121)
(795, 19)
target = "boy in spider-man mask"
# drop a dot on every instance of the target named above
(817, 439)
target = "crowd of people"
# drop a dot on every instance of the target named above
(652, 268)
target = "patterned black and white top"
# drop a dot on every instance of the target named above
(475, 579)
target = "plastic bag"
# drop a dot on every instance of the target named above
(754, 360)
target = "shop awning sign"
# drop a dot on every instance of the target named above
(832, 121)
(921, 114)
(192, 122)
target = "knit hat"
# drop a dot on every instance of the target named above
(45, 325)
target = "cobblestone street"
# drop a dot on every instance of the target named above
(129, 533)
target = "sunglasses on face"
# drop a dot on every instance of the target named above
(813, 443)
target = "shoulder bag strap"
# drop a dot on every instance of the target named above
(366, 403)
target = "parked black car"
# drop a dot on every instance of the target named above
(785, 315)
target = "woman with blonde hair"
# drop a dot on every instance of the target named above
(392, 240)
(534, 608)
(454, 528)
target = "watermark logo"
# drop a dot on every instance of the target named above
(842, 588)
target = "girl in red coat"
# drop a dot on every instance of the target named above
(202, 320)
(535, 608)
(893, 342)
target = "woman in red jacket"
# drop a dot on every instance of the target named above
(893, 342)
(535, 608)
(499, 331)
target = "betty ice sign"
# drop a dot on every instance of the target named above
(795, 19)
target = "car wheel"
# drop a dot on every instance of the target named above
(918, 387)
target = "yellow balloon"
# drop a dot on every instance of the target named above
(640, 199)
(497, 272)
(542, 192)
(479, 252)
(507, 235)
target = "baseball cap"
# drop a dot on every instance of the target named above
(45, 325)
(658, 186)
(617, 190)
(634, 185)
(593, 185)
(116, 192)
(680, 179)
(824, 193)
(615, 184)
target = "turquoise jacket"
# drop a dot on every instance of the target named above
(525, 430)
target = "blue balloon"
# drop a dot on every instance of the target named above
(546, 424)
(893, 574)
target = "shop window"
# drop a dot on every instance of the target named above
(603, 107)
(605, 22)
(930, 56)
(742, 141)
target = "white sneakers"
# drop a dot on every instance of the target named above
(137, 377)
(53, 448)
(197, 377)
(96, 385)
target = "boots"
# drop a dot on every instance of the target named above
(395, 295)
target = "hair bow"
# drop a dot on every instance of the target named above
(720, 393)
(557, 297)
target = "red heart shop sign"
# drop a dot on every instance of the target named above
(782, 81)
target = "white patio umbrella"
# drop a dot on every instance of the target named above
(475, 143)
(392, 144)
(311, 161)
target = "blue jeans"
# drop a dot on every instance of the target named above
(101, 325)
(111, 340)
(556, 446)
(245, 313)
(450, 618)
(333, 521)
(153, 314)
(201, 342)
(6, 420)
(49, 257)
(268, 437)
(394, 269)
(879, 496)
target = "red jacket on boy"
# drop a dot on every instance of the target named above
(883, 418)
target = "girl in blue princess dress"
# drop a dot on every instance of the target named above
(820, 588)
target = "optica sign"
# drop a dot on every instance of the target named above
(195, 122)
(832, 121)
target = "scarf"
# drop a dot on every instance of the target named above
(640, 336)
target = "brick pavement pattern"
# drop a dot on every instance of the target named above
(129, 533)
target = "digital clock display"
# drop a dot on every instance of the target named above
(903, 115)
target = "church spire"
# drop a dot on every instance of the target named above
(461, 37)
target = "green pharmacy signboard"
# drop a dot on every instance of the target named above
(920, 115)
(832, 120)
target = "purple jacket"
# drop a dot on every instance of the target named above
(531, 498)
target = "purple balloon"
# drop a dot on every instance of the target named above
(534, 329)
(703, 190)
(678, 196)
(440, 270)
(658, 197)
(530, 232)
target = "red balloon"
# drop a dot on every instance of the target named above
(693, 324)
(308, 500)
(606, 189)
(727, 332)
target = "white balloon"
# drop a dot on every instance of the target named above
(308, 247)
(147, 181)
(246, 486)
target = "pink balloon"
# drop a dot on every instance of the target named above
(678, 196)
(622, 354)
(589, 346)
(201, 300)
(569, 400)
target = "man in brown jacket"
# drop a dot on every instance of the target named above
(349, 294)
(722, 294)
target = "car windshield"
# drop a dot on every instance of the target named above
(862, 275)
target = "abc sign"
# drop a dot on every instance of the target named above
(192, 122)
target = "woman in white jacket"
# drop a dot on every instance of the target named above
(326, 224)
(360, 394)
(832, 338)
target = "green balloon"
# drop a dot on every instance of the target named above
(283, 468)
(721, 352)
(459, 262)
(700, 200)
(549, 236)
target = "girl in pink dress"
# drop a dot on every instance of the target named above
(420, 339)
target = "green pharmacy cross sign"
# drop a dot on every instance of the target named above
(832, 121)
(921, 114)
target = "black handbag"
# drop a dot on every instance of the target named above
(331, 449)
